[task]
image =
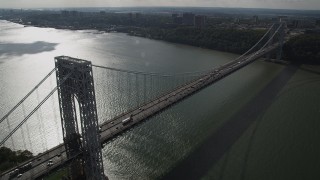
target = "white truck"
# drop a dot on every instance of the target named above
(127, 120)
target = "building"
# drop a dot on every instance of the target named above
(302, 24)
(174, 16)
(236, 20)
(134, 15)
(65, 13)
(188, 19)
(69, 13)
(176, 19)
(74, 13)
(200, 21)
(283, 18)
(256, 19)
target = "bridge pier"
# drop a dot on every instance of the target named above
(78, 84)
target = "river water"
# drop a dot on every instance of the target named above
(151, 149)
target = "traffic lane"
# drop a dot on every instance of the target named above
(40, 167)
(39, 159)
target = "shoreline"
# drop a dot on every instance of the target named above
(121, 29)
(100, 31)
(128, 30)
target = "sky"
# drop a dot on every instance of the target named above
(273, 4)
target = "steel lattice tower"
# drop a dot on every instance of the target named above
(79, 84)
(281, 40)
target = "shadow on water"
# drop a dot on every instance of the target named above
(224, 166)
(18, 49)
(198, 163)
(310, 70)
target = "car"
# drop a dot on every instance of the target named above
(39, 159)
(13, 173)
(50, 163)
(26, 167)
(19, 175)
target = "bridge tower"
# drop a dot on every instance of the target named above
(281, 39)
(79, 85)
(278, 28)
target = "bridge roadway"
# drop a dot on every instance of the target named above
(115, 126)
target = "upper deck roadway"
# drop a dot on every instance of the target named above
(115, 126)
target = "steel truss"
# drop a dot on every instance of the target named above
(79, 85)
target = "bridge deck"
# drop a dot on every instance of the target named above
(115, 126)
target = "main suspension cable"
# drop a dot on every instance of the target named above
(151, 73)
(25, 97)
(33, 111)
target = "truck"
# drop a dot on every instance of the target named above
(127, 120)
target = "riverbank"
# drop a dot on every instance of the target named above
(10, 158)
(220, 39)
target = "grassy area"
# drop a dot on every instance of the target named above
(60, 174)
(10, 158)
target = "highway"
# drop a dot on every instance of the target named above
(114, 127)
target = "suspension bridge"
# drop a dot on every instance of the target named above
(140, 95)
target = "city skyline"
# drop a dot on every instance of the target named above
(270, 4)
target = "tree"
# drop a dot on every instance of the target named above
(303, 48)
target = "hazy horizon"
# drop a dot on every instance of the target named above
(264, 4)
(217, 7)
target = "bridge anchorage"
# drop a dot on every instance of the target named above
(79, 85)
